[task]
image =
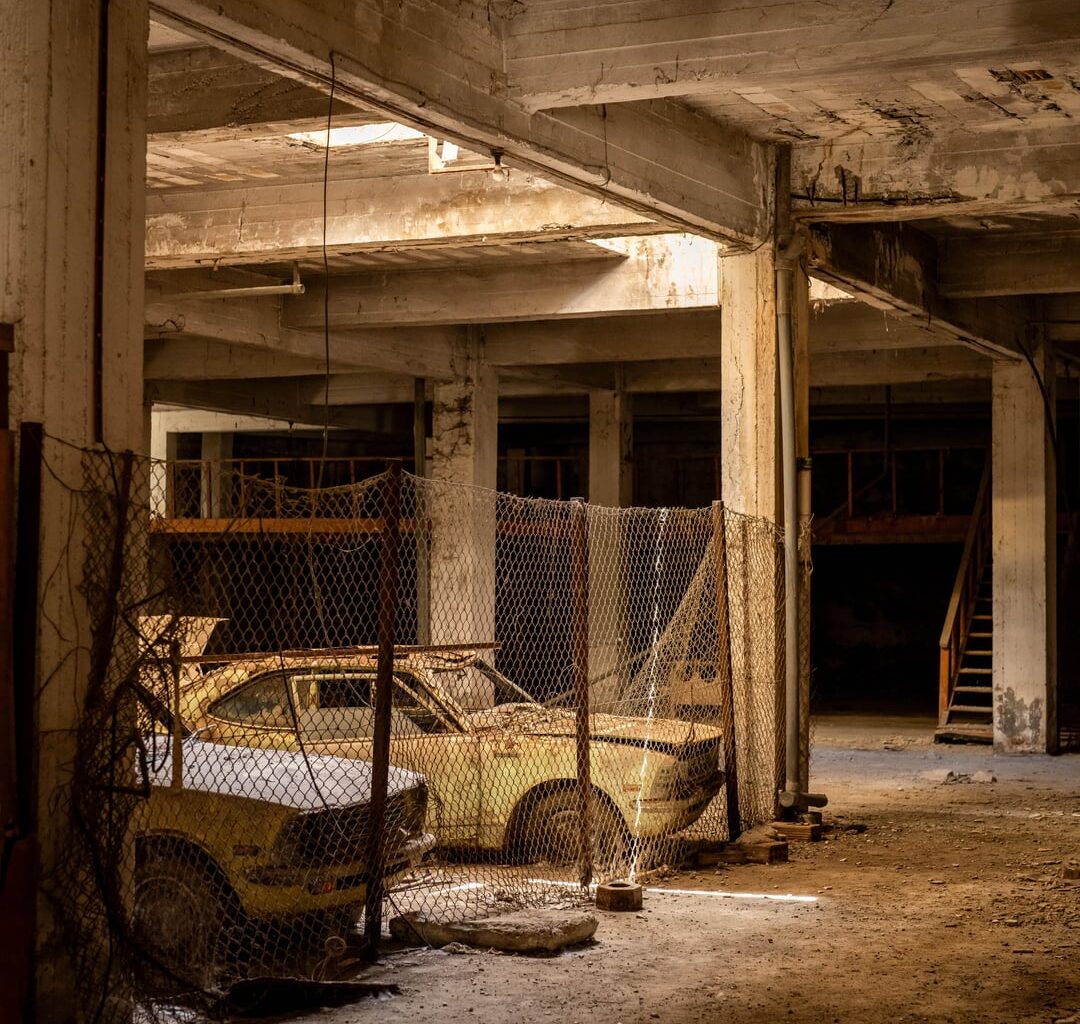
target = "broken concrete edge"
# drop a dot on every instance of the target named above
(522, 931)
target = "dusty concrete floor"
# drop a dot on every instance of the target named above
(950, 906)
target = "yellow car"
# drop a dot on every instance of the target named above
(243, 837)
(501, 776)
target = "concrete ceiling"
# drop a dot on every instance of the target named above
(943, 135)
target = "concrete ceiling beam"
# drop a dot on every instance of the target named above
(1010, 263)
(440, 68)
(286, 401)
(206, 95)
(894, 267)
(276, 223)
(915, 174)
(657, 274)
(561, 55)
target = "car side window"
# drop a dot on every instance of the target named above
(418, 715)
(336, 705)
(263, 702)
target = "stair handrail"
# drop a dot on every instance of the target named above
(965, 590)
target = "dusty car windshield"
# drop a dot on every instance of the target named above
(261, 702)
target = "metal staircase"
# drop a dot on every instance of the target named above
(965, 698)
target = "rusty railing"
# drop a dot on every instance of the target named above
(965, 592)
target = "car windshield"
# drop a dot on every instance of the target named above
(331, 703)
(476, 685)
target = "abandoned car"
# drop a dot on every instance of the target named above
(241, 836)
(501, 776)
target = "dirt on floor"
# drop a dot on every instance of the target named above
(932, 898)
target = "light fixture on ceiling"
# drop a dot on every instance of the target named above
(359, 135)
(500, 172)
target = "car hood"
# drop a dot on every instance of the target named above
(537, 720)
(282, 777)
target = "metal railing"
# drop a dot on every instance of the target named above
(965, 592)
(251, 487)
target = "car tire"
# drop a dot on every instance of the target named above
(549, 832)
(184, 918)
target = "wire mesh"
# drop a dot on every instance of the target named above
(574, 693)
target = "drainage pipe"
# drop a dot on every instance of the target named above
(296, 287)
(785, 361)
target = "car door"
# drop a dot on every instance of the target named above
(339, 719)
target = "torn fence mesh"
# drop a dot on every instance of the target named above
(224, 786)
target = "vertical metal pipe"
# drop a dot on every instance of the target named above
(724, 676)
(421, 534)
(384, 682)
(785, 359)
(177, 717)
(8, 768)
(579, 640)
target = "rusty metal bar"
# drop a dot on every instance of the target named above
(177, 717)
(941, 481)
(579, 627)
(724, 674)
(400, 651)
(25, 618)
(8, 769)
(384, 683)
(422, 537)
(850, 485)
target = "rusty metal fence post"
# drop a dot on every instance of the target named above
(384, 682)
(724, 674)
(579, 633)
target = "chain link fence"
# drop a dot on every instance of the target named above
(398, 701)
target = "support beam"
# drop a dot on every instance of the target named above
(72, 181)
(656, 274)
(285, 401)
(1010, 263)
(256, 324)
(195, 359)
(611, 449)
(561, 55)
(464, 451)
(440, 69)
(894, 266)
(948, 174)
(206, 95)
(275, 223)
(750, 448)
(1023, 516)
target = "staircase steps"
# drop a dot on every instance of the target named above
(969, 717)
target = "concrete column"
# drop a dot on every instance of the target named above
(750, 484)
(611, 444)
(71, 281)
(749, 413)
(216, 453)
(464, 451)
(1023, 512)
(610, 486)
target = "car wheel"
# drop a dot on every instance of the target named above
(183, 920)
(551, 826)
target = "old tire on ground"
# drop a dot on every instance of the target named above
(549, 831)
(184, 917)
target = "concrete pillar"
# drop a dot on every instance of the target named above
(1023, 512)
(749, 411)
(217, 474)
(163, 445)
(610, 486)
(750, 484)
(611, 444)
(464, 451)
(71, 281)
